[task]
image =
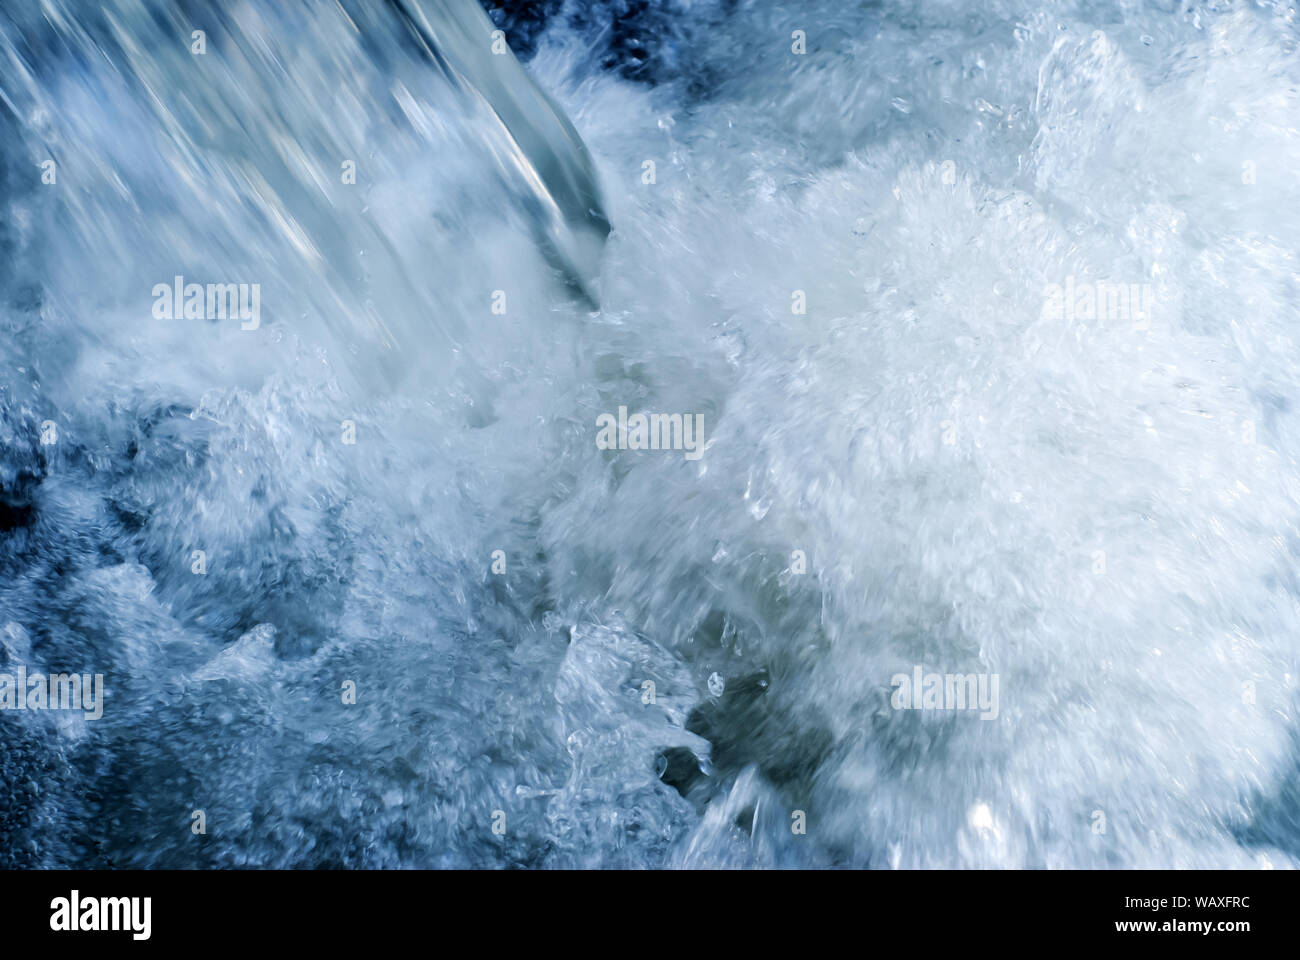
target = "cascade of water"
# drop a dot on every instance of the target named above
(527, 134)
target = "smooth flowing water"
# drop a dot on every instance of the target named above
(836, 233)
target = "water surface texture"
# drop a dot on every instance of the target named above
(988, 312)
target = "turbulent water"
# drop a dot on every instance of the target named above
(833, 226)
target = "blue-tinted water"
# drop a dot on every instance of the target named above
(927, 466)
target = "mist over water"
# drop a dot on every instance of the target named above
(1098, 508)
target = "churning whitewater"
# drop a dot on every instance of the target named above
(973, 542)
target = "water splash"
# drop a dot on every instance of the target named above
(1099, 511)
